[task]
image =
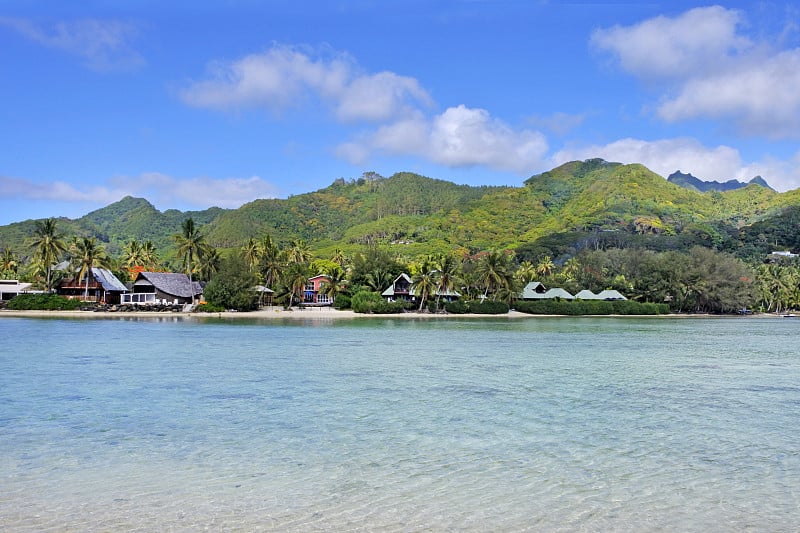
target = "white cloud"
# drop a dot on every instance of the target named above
(663, 157)
(104, 44)
(459, 137)
(709, 69)
(284, 76)
(165, 191)
(762, 98)
(679, 47)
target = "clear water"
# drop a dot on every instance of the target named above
(400, 425)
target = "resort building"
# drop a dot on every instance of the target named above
(166, 288)
(402, 288)
(314, 294)
(103, 287)
(536, 291)
(12, 287)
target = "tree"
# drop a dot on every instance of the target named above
(335, 284)
(448, 275)
(298, 252)
(545, 266)
(191, 246)
(233, 285)
(87, 254)
(494, 273)
(209, 263)
(295, 282)
(48, 245)
(425, 281)
(526, 272)
(252, 253)
(8, 263)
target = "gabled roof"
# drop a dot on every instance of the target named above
(586, 294)
(13, 286)
(558, 293)
(108, 280)
(171, 283)
(390, 291)
(533, 290)
(610, 295)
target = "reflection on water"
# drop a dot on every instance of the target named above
(397, 424)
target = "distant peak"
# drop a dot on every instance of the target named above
(688, 181)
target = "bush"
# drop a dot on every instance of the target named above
(232, 287)
(342, 301)
(487, 307)
(43, 302)
(457, 308)
(372, 302)
(590, 307)
(209, 308)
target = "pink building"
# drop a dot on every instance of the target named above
(314, 291)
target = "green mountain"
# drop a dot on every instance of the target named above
(578, 204)
(690, 182)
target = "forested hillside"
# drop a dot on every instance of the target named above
(580, 204)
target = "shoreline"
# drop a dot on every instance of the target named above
(278, 313)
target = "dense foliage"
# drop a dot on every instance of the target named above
(590, 307)
(584, 225)
(43, 302)
(233, 286)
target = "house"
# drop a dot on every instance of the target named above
(610, 295)
(586, 294)
(162, 288)
(265, 294)
(103, 287)
(12, 287)
(402, 288)
(533, 291)
(314, 292)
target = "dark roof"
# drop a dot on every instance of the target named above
(172, 283)
(108, 280)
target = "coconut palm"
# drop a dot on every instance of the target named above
(87, 254)
(132, 254)
(209, 263)
(526, 272)
(252, 253)
(191, 246)
(271, 262)
(425, 281)
(335, 284)
(545, 267)
(448, 275)
(296, 279)
(338, 257)
(298, 252)
(493, 271)
(149, 255)
(8, 262)
(48, 245)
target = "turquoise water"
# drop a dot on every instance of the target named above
(400, 425)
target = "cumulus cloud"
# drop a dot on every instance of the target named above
(664, 47)
(458, 137)
(163, 190)
(284, 76)
(709, 69)
(103, 44)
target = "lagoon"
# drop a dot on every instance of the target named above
(398, 424)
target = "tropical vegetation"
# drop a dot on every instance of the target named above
(584, 225)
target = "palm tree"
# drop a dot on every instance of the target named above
(448, 275)
(338, 257)
(298, 252)
(425, 281)
(335, 284)
(48, 244)
(191, 246)
(296, 278)
(378, 279)
(526, 272)
(149, 255)
(8, 262)
(87, 254)
(252, 253)
(209, 263)
(271, 262)
(545, 266)
(494, 273)
(132, 254)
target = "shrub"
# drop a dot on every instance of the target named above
(487, 307)
(342, 301)
(372, 302)
(457, 308)
(232, 286)
(209, 308)
(590, 307)
(43, 302)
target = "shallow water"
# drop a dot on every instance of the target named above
(538, 424)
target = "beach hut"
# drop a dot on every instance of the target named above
(610, 295)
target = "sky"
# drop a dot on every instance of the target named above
(219, 103)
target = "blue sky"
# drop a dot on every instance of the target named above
(192, 105)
